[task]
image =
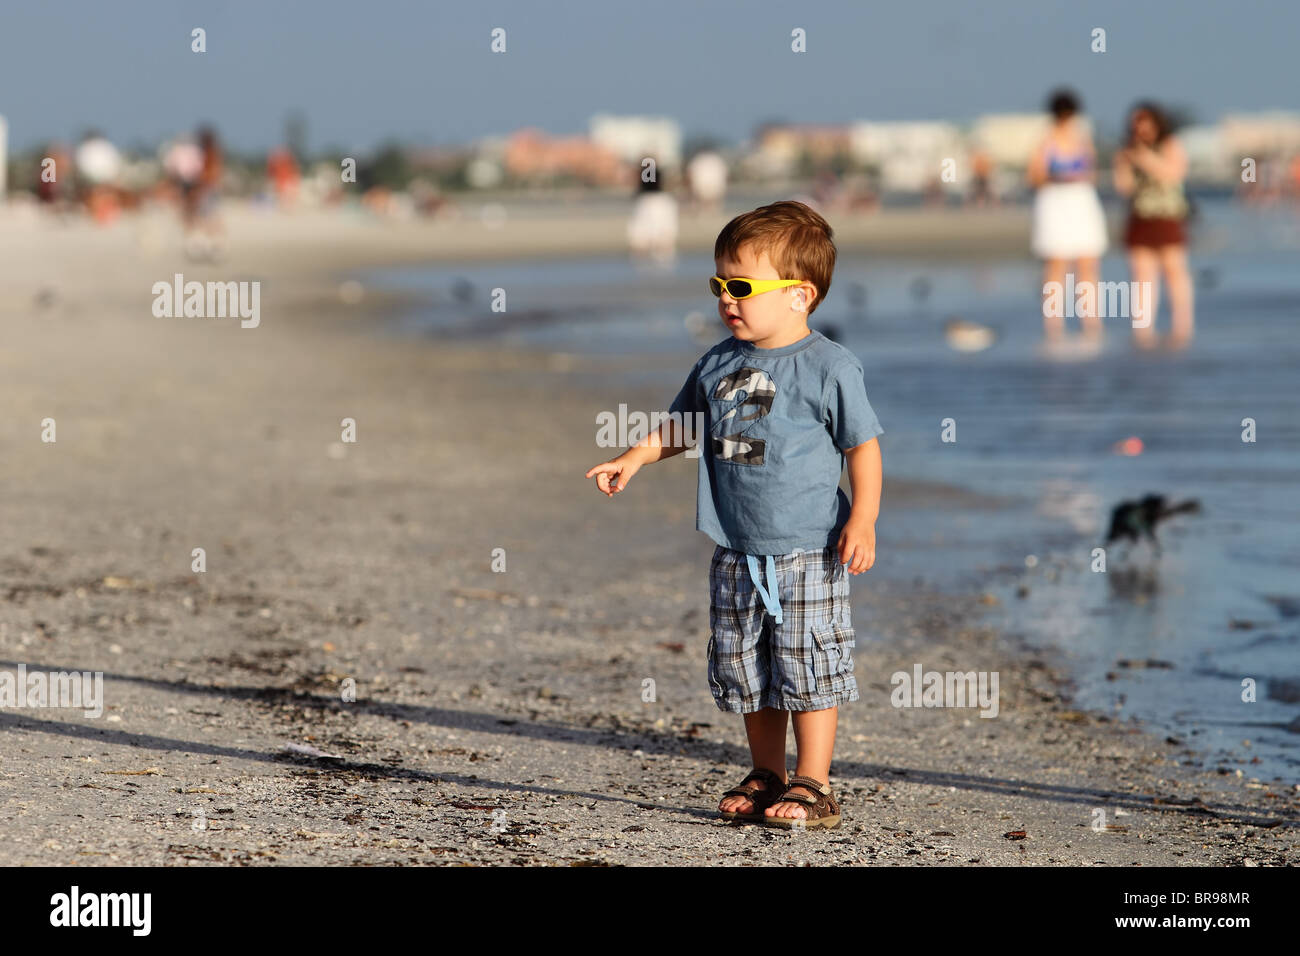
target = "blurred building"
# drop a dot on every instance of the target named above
(781, 148)
(1008, 139)
(1209, 160)
(440, 160)
(1275, 133)
(1272, 140)
(909, 156)
(633, 138)
(532, 155)
(486, 168)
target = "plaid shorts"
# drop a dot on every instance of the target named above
(797, 659)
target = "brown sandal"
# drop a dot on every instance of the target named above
(823, 810)
(761, 798)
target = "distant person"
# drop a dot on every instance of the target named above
(981, 192)
(827, 190)
(53, 182)
(652, 230)
(707, 175)
(932, 194)
(1069, 226)
(99, 168)
(1150, 170)
(861, 195)
(183, 165)
(282, 170)
(206, 239)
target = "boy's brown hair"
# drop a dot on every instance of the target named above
(795, 238)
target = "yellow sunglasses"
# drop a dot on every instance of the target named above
(744, 288)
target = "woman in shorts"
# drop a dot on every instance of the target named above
(1150, 170)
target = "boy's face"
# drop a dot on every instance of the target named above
(770, 319)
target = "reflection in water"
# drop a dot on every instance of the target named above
(1136, 584)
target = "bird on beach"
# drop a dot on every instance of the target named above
(1136, 519)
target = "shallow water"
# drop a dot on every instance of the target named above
(1221, 604)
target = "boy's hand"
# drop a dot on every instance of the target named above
(613, 476)
(858, 543)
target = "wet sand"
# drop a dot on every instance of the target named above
(499, 716)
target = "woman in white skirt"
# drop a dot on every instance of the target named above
(1069, 224)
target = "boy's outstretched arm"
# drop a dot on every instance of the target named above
(664, 442)
(858, 539)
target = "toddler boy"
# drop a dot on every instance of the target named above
(784, 407)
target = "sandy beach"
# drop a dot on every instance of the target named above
(498, 716)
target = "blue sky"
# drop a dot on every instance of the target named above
(367, 70)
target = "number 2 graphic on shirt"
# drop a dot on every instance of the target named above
(759, 390)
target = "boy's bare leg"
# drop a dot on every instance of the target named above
(814, 736)
(766, 731)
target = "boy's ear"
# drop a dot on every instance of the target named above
(801, 301)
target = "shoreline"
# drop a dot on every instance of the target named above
(478, 692)
(365, 242)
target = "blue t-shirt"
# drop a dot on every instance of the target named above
(778, 422)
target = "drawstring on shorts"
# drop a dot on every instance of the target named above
(769, 594)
